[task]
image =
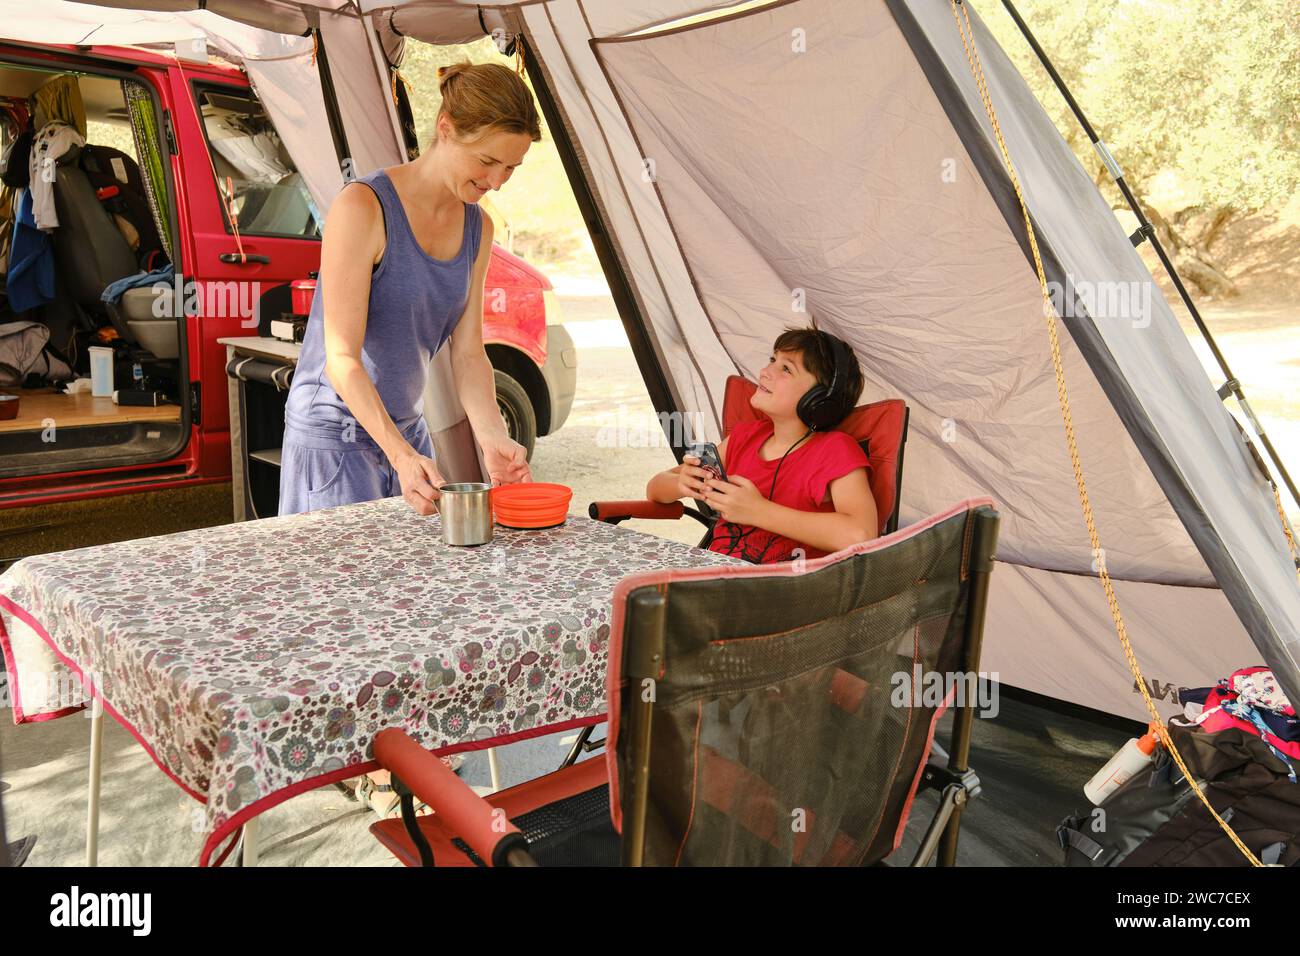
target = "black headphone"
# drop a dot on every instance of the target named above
(823, 406)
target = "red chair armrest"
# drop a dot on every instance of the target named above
(604, 510)
(467, 815)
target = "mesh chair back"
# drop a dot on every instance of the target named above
(771, 705)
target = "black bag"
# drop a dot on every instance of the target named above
(1154, 818)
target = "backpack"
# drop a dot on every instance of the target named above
(1154, 818)
(27, 360)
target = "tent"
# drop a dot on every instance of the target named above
(832, 160)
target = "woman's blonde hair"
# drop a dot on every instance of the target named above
(487, 97)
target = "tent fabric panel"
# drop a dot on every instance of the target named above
(1051, 633)
(767, 199)
(612, 254)
(365, 102)
(433, 21)
(67, 22)
(442, 21)
(440, 24)
(288, 87)
(693, 362)
(1150, 369)
(280, 16)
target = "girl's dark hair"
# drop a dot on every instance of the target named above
(815, 353)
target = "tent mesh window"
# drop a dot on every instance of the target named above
(785, 728)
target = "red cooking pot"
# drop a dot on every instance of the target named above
(302, 291)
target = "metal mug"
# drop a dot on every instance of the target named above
(466, 510)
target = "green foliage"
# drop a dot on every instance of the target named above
(538, 201)
(1204, 89)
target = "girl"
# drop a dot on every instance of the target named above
(796, 487)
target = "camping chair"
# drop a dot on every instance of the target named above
(757, 716)
(879, 427)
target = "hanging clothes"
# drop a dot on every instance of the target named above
(60, 100)
(30, 281)
(8, 222)
(51, 142)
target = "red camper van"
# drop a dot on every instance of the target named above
(173, 153)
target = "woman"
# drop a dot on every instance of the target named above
(405, 254)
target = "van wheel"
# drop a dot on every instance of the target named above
(516, 411)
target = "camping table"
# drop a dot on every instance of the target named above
(257, 660)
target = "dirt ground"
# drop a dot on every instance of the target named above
(1258, 331)
(1262, 346)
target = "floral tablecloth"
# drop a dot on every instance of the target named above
(258, 659)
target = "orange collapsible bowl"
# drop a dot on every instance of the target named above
(531, 504)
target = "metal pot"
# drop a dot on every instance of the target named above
(466, 510)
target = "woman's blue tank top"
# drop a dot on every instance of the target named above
(415, 303)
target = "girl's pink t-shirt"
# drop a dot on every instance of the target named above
(803, 484)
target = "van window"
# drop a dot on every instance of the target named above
(259, 184)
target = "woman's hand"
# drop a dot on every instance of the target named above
(691, 478)
(738, 501)
(420, 480)
(506, 459)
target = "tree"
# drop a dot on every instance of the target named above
(1205, 90)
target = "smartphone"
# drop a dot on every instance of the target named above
(710, 460)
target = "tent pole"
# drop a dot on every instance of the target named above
(633, 321)
(1231, 385)
(332, 112)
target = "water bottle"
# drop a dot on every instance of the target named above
(137, 377)
(1130, 759)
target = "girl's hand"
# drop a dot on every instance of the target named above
(506, 459)
(690, 480)
(420, 480)
(738, 501)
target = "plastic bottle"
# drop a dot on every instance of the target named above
(137, 376)
(101, 371)
(1130, 758)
